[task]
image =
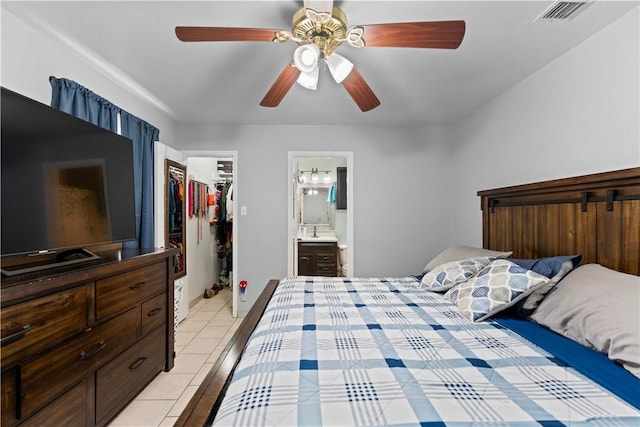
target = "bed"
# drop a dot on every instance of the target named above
(414, 351)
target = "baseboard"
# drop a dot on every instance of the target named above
(195, 301)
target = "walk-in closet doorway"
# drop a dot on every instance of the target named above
(212, 244)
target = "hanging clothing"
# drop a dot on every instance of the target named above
(175, 196)
(224, 229)
(229, 203)
(191, 195)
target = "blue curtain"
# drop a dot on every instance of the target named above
(77, 100)
(142, 134)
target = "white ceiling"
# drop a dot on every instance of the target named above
(223, 82)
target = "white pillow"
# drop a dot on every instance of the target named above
(597, 307)
(456, 253)
(496, 287)
(446, 276)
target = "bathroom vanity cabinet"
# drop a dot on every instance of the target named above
(318, 259)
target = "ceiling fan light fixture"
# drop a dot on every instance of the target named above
(309, 80)
(306, 57)
(339, 67)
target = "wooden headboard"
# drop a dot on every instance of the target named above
(596, 216)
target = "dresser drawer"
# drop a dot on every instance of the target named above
(117, 293)
(154, 313)
(127, 374)
(68, 410)
(8, 410)
(326, 258)
(47, 376)
(32, 326)
(328, 270)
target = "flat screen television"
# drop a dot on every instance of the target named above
(66, 185)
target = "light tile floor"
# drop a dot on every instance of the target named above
(200, 339)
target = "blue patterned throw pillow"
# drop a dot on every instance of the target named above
(446, 276)
(496, 287)
(554, 268)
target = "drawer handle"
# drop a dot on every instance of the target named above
(154, 311)
(135, 365)
(92, 352)
(15, 337)
(137, 286)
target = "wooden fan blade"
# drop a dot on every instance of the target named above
(281, 86)
(436, 34)
(225, 34)
(360, 91)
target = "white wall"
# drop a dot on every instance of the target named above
(578, 115)
(402, 193)
(30, 56)
(200, 235)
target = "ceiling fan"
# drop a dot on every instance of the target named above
(320, 28)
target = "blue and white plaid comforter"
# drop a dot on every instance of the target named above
(338, 352)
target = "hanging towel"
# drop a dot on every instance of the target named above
(332, 194)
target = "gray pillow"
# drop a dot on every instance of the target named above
(598, 308)
(457, 253)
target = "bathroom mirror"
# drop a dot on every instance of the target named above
(315, 208)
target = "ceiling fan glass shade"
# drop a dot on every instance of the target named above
(309, 80)
(306, 57)
(339, 67)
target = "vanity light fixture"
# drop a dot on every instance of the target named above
(303, 176)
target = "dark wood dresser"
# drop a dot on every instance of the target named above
(79, 342)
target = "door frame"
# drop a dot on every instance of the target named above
(292, 233)
(234, 228)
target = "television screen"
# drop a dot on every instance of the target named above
(65, 182)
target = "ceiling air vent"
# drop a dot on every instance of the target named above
(562, 11)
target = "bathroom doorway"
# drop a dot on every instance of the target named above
(320, 205)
